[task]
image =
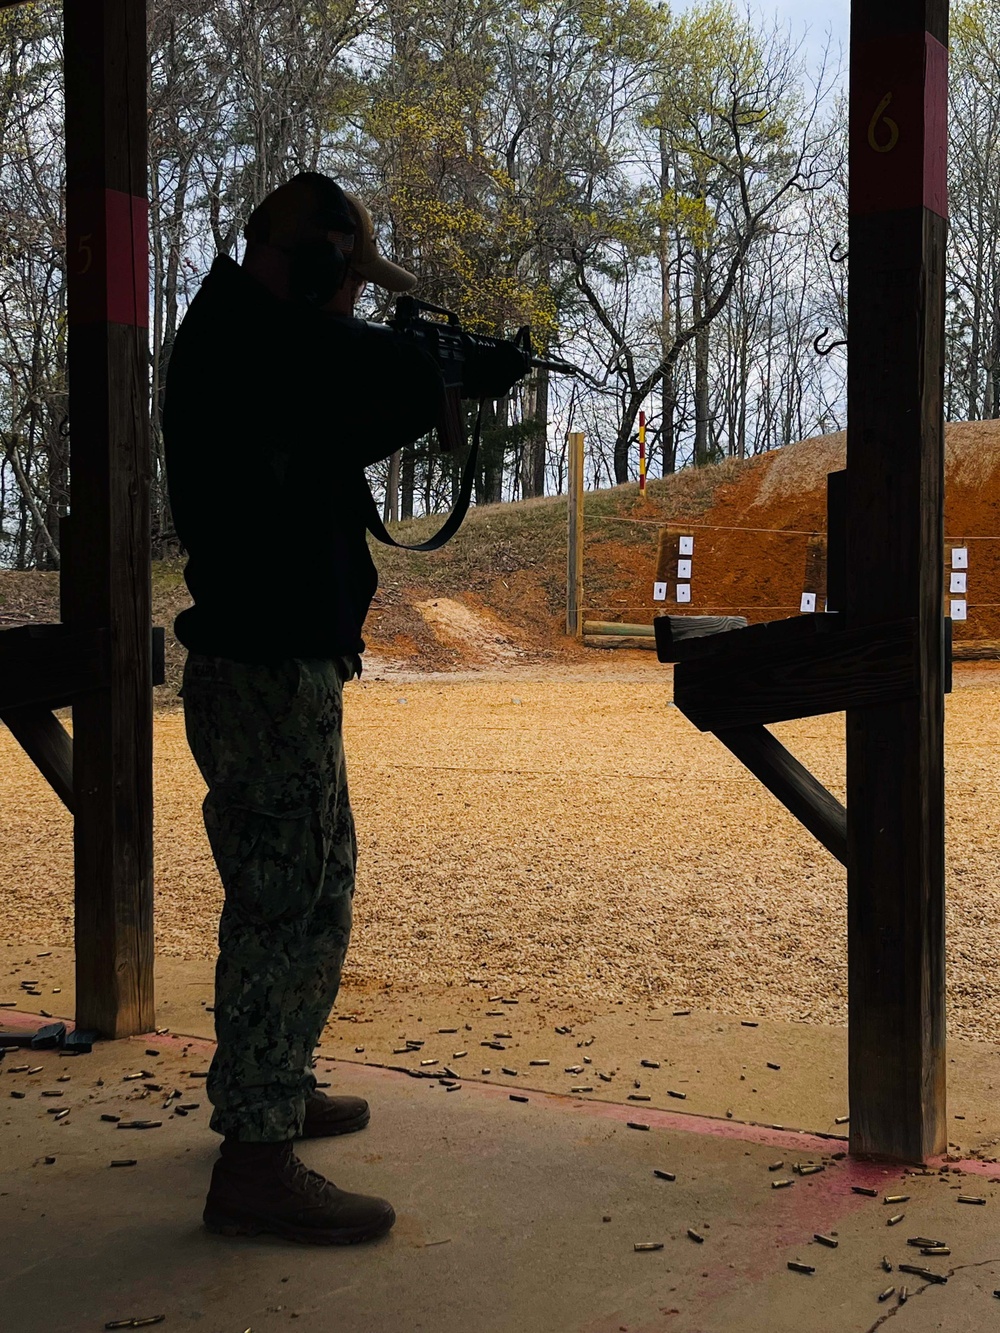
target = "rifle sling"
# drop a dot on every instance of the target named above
(454, 520)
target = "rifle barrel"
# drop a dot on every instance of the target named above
(564, 367)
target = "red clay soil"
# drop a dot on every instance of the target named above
(751, 543)
(751, 522)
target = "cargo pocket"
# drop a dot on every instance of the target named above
(268, 851)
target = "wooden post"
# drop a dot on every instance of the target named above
(574, 557)
(895, 851)
(105, 578)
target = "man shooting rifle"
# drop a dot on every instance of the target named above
(276, 400)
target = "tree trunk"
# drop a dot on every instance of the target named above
(408, 475)
(390, 508)
(701, 449)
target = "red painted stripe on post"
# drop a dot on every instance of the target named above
(936, 126)
(107, 258)
(899, 124)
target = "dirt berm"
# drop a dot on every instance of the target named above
(496, 595)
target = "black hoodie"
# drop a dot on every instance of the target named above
(271, 412)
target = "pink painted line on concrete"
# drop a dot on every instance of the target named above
(682, 1122)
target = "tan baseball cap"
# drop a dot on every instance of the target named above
(365, 258)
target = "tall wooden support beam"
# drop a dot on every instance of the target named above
(895, 844)
(105, 578)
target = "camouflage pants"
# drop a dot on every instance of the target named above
(269, 744)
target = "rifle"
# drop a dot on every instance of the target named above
(472, 365)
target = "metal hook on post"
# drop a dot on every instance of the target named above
(825, 351)
(838, 259)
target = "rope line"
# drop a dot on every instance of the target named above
(732, 527)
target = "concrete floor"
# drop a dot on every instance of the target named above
(501, 1208)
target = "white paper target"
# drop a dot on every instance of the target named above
(960, 557)
(683, 569)
(659, 592)
(958, 582)
(959, 610)
(686, 546)
(808, 602)
(683, 592)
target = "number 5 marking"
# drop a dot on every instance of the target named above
(893, 139)
(85, 249)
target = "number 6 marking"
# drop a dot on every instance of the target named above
(893, 127)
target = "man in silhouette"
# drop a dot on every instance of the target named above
(276, 400)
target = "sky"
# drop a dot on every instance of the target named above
(818, 16)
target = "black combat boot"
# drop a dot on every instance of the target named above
(263, 1187)
(326, 1116)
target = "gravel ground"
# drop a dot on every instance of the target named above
(570, 838)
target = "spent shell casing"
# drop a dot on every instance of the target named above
(585, 1087)
(638, 1097)
(970, 1198)
(648, 1245)
(863, 1189)
(139, 1124)
(796, 1267)
(428, 1062)
(772, 1065)
(663, 1175)
(61, 1115)
(538, 1062)
(886, 1265)
(921, 1241)
(650, 1064)
(124, 1161)
(903, 1294)
(781, 1184)
(926, 1273)
(681, 1013)
(605, 1078)
(511, 1072)
(935, 1249)
(831, 1241)
(884, 1295)
(696, 1236)
(501, 1036)
(679, 1095)
(14, 1092)
(896, 1198)
(776, 1166)
(515, 1097)
(402, 1050)
(447, 1029)
(453, 1087)
(748, 1023)
(457, 1055)
(564, 1030)
(635, 1124)
(809, 1168)
(896, 1217)
(573, 1069)
(113, 1118)
(841, 1119)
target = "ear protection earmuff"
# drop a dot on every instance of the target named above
(316, 272)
